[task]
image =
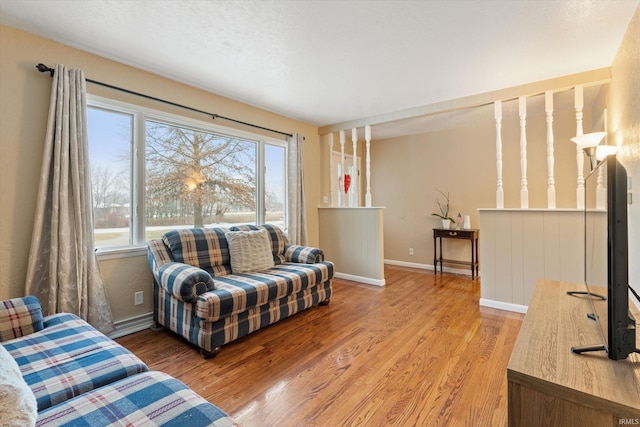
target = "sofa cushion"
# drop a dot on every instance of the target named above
(151, 398)
(237, 292)
(249, 250)
(17, 403)
(204, 248)
(19, 317)
(70, 357)
(278, 238)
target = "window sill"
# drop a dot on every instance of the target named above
(121, 252)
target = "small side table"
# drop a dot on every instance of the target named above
(444, 233)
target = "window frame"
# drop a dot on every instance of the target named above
(140, 115)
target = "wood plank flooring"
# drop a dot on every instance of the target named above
(417, 352)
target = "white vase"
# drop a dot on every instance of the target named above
(446, 224)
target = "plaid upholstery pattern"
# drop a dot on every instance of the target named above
(183, 281)
(69, 357)
(303, 254)
(180, 317)
(158, 254)
(205, 248)
(151, 398)
(19, 317)
(278, 239)
(238, 292)
(231, 328)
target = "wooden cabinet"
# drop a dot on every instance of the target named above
(551, 386)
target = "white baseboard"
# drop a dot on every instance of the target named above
(466, 272)
(503, 305)
(408, 264)
(131, 325)
(361, 279)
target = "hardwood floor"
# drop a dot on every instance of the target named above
(417, 352)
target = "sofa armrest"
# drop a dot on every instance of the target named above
(303, 254)
(184, 281)
(20, 317)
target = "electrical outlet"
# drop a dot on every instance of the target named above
(138, 297)
(411, 251)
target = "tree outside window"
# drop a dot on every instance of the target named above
(185, 174)
(196, 178)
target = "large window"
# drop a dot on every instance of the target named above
(153, 172)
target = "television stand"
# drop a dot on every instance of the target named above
(550, 385)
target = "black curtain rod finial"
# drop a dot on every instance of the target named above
(43, 69)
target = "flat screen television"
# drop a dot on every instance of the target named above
(607, 261)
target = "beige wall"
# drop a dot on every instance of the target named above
(624, 125)
(408, 170)
(24, 101)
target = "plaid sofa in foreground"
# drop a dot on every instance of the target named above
(198, 295)
(148, 399)
(80, 377)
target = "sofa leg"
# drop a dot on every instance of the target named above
(209, 354)
(325, 302)
(156, 327)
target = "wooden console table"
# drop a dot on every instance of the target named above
(444, 233)
(548, 385)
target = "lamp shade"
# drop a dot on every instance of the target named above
(605, 150)
(589, 139)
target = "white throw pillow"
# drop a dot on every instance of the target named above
(17, 402)
(249, 250)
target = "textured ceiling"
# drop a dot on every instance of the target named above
(327, 62)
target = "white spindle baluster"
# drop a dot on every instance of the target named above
(331, 176)
(551, 183)
(342, 171)
(579, 105)
(524, 192)
(367, 137)
(499, 189)
(354, 174)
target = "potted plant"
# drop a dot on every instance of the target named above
(444, 210)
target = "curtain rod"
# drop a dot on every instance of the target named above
(43, 69)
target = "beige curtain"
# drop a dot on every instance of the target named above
(63, 269)
(297, 215)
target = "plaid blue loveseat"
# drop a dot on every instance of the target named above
(80, 377)
(197, 294)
